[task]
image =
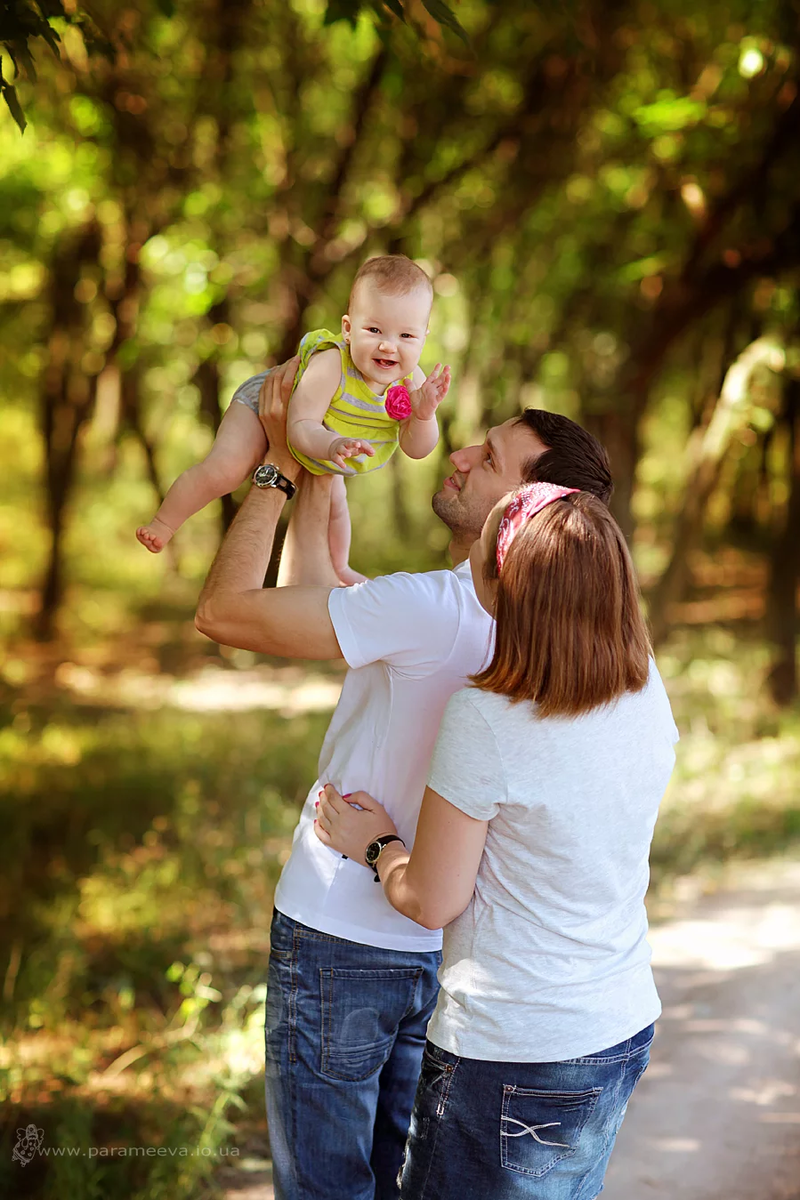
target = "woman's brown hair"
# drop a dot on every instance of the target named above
(570, 634)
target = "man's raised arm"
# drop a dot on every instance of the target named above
(234, 607)
(306, 554)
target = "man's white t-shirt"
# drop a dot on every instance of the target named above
(410, 641)
(550, 961)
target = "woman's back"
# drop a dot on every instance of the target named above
(549, 960)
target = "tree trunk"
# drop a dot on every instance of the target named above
(67, 400)
(207, 378)
(706, 454)
(785, 568)
(402, 520)
(618, 430)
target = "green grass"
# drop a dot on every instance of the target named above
(140, 850)
(139, 856)
(735, 792)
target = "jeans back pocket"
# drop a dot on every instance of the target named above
(361, 1010)
(539, 1128)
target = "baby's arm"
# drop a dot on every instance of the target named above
(420, 431)
(307, 408)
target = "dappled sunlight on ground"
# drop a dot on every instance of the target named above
(153, 785)
(718, 1112)
(286, 690)
(733, 936)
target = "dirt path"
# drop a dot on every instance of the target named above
(717, 1116)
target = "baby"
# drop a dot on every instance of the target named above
(356, 398)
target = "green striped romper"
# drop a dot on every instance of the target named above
(355, 411)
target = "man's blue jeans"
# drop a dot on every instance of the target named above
(500, 1130)
(345, 1031)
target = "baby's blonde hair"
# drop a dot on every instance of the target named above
(392, 274)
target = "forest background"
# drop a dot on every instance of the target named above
(607, 198)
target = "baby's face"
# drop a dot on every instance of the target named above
(386, 333)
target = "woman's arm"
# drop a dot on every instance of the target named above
(434, 883)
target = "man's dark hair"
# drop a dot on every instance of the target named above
(574, 457)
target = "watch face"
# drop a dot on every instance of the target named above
(266, 475)
(371, 853)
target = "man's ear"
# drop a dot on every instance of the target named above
(346, 327)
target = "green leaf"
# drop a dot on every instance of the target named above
(51, 36)
(396, 7)
(10, 97)
(669, 115)
(96, 40)
(445, 16)
(19, 53)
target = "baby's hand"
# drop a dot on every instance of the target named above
(426, 399)
(342, 448)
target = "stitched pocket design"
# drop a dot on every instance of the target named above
(540, 1128)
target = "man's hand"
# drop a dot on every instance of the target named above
(273, 404)
(427, 398)
(342, 448)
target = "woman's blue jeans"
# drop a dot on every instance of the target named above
(345, 1031)
(500, 1130)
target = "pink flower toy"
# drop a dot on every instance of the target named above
(398, 402)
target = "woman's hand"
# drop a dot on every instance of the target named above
(348, 829)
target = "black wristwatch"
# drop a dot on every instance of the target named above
(268, 476)
(375, 849)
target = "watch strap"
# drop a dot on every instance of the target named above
(285, 485)
(384, 841)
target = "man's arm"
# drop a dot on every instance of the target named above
(234, 608)
(306, 555)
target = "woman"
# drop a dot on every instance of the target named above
(532, 850)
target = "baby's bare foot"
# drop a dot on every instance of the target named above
(154, 536)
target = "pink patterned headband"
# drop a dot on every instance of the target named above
(526, 503)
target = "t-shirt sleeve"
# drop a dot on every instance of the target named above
(408, 621)
(466, 768)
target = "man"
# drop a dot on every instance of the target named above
(352, 983)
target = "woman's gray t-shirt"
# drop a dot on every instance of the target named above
(550, 959)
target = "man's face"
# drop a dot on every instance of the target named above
(483, 474)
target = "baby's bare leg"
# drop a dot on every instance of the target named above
(339, 533)
(238, 446)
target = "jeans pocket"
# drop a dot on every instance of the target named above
(433, 1088)
(361, 1010)
(281, 937)
(635, 1069)
(540, 1128)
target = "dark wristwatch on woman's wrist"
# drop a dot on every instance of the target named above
(376, 848)
(268, 476)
